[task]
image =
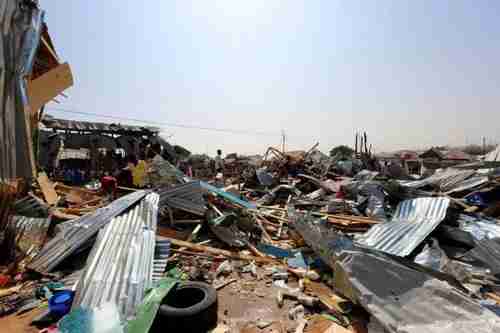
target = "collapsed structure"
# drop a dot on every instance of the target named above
(300, 240)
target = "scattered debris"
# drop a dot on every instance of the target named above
(121, 230)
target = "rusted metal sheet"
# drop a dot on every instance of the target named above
(27, 234)
(8, 193)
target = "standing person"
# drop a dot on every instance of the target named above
(189, 169)
(139, 172)
(219, 169)
(219, 162)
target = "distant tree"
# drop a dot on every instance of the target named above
(342, 151)
(477, 149)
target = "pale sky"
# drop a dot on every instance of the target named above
(410, 73)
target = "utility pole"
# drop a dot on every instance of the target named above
(356, 145)
(484, 145)
(283, 141)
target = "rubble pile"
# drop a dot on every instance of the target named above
(107, 228)
(298, 245)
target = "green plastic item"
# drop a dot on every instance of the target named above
(149, 307)
(333, 318)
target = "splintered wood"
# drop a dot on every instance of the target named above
(349, 223)
(215, 251)
(48, 189)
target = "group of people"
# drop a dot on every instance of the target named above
(73, 176)
(149, 169)
(152, 169)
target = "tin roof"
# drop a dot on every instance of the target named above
(74, 125)
(78, 231)
(120, 266)
(412, 222)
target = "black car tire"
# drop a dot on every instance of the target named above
(190, 306)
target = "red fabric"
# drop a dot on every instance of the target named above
(108, 184)
(4, 280)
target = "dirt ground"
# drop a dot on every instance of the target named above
(19, 324)
(243, 305)
(249, 301)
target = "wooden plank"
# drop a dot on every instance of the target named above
(63, 216)
(52, 52)
(66, 189)
(220, 252)
(27, 113)
(224, 283)
(47, 86)
(494, 297)
(10, 291)
(48, 189)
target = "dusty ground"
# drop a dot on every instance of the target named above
(19, 324)
(248, 301)
(243, 305)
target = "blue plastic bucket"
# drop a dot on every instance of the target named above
(60, 302)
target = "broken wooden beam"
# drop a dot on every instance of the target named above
(220, 252)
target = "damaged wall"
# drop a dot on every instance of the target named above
(21, 23)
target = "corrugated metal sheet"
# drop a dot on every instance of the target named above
(79, 231)
(412, 222)
(7, 196)
(444, 180)
(31, 206)
(24, 236)
(228, 196)
(19, 38)
(480, 227)
(493, 156)
(324, 240)
(405, 300)
(467, 184)
(162, 251)
(30, 232)
(119, 268)
(401, 298)
(486, 254)
(65, 124)
(71, 281)
(187, 197)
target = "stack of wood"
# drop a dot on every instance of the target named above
(78, 201)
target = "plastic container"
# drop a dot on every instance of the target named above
(60, 302)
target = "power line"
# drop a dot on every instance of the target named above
(214, 129)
